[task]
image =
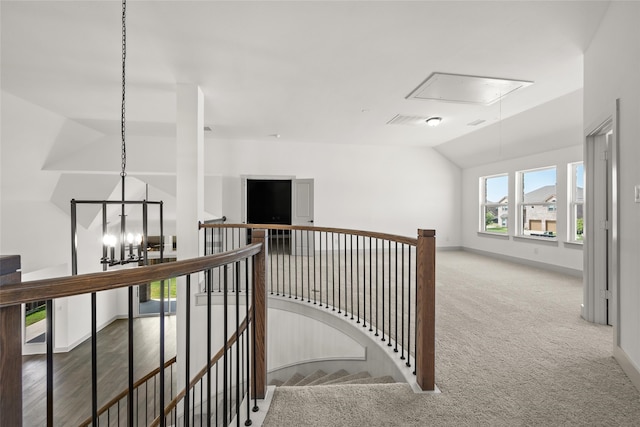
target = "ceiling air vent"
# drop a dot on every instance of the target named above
(466, 89)
(476, 122)
(408, 120)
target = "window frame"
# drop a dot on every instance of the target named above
(546, 206)
(484, 204)
(573, 202)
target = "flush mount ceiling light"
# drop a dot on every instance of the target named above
(466, 89)
(433, 121)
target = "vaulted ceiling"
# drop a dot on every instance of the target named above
(310, 71)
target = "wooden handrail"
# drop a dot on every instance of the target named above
(372, 234)
(124, 392)
(60, 287)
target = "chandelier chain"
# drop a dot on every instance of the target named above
(123, 110)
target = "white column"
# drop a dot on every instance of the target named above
(189, 210)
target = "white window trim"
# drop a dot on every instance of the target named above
(484, 205)
(521, 205)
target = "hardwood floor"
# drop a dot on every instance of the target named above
(72, 371)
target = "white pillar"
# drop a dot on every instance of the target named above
(189, 210)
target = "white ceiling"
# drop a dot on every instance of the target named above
(327, 72)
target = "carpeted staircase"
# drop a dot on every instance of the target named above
(341, 377)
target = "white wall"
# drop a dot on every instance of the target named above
(389, 189)
(564, 256)
(31, 225)
(612, 69)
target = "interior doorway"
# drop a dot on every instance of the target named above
(600, 241)
(280, 201)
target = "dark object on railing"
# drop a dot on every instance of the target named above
(10, 348)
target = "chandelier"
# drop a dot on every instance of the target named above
(121, 243)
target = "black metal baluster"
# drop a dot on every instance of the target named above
(253, 345)
(402, 310)
(409, 310)
(333, 272)
(238, 342)
(271, 256)
(226, 348)
(357, 279)
(396, 280)
(295, 261)
(289, 258)
(187, 356)
(301, 266)
(339, 281)
(162, 379)
(382, 284)
(370, 285)
(130, 359)
(49, 309)
(94, 360)
(209, 355)
(320, 262)
(389, 305)
(346, 286)
(377, 298)
(309, 269)
(247, 351)
(351, 251)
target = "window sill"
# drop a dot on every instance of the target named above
(493, 235)
(551, 241)
(574, 245)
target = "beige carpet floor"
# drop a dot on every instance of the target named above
(511, 350)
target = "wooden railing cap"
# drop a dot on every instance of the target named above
(426, 233)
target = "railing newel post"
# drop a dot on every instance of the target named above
(425, 309)
(10, 348)
(260, 321)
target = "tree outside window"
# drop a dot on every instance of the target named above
(494, 203)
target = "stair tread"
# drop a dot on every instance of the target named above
(330, 377)
(312, 377)
(296, 378)
(342, 379)
(276, 383)
(387, 379)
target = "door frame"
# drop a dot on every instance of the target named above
(595, 299)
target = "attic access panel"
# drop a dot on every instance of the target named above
(466, 89)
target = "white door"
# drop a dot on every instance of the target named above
(302, 214)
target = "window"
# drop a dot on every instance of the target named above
(576, 202)
(537, 202)
(494, 201)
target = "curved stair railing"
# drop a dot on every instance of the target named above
(384, 282)
(243, 360)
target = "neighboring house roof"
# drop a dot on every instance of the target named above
(540, 195)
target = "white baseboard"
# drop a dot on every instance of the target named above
(528, 262)
(82, 339)
(627, 365)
